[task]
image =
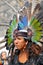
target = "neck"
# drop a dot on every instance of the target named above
(23, 56)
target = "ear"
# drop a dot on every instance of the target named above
(26, 42)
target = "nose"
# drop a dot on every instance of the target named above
(16, 42)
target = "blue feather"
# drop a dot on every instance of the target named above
(23, 23)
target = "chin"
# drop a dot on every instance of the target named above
(19, 48)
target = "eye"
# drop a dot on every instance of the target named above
(19, 38)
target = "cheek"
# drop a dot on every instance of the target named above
(22, 43)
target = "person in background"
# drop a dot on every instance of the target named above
(0, 60)
(4, 58)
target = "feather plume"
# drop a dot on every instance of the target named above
(36, 26)
(9, 34)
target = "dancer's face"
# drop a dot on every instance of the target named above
(19, 42)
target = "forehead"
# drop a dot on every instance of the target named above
(19, 37)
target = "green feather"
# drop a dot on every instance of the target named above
(31, 21)
(10, 31)
(36, 27)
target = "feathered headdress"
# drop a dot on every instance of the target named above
(35, 25)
